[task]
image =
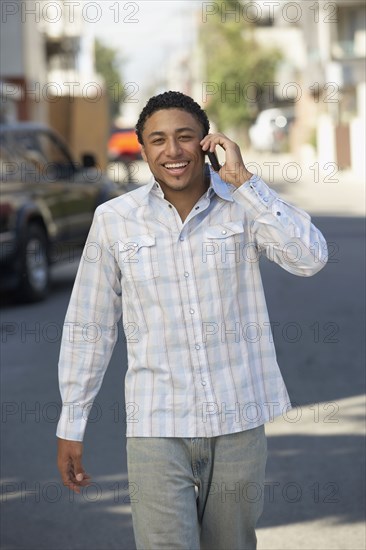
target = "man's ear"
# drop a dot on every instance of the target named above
(143, 154)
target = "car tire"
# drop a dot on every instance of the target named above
(35, 269)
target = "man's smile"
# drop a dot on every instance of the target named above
(176, 168)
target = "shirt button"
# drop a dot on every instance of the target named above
(186, 274)
(197, 346)
(203, 382)
(197, 207)
(278, 213)
(265, 199)
(223, 232)
(135, 245)
(170, 206)
(191, 311)
(181, 238)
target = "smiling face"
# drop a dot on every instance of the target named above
(171, 147)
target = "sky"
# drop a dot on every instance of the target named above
(146, 33)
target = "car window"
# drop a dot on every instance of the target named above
(7, 165)
(52, 150)
(11, 166)
(47, 158)
(27, 145)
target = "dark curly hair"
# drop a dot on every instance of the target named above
(171, 100)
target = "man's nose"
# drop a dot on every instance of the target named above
(173, 148)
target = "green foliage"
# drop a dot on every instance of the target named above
(107, 64)
(236, 69)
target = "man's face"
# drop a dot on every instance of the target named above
(172, 149)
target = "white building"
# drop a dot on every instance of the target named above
(23, 65)
(47, 73)
(44, 54)
(324, 48)
(335, 39)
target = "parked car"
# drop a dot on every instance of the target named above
(270, 131)
(46, 207)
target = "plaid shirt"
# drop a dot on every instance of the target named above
(201, 359)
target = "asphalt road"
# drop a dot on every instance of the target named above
(314, 496)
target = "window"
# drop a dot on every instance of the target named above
(351, 23)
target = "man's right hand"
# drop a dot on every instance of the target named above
(69, 464)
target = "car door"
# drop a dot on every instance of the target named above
(46, 193)
(79, 192)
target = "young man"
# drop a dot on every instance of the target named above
(179, 257)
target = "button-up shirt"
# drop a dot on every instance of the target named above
(201, 359)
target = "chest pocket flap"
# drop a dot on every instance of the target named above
(136, 242)
(138, 258)
(224, 230)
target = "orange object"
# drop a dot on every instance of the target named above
(124, 143)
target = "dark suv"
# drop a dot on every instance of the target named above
(46, 206)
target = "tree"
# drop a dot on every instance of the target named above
(107, 63)
(237, 68)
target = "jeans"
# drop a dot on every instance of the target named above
(197, 493)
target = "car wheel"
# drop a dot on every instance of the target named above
(35, 269)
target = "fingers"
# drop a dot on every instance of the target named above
(78, 469)
(73, 480)
(232, 150)
(70, 465)
(209, 142)
(233, 170)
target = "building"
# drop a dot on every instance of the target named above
(321, 74)
(23, 64)
(334, 81)
(47, 73)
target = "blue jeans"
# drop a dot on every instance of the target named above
(197, 493)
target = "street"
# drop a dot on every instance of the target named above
(314, 494)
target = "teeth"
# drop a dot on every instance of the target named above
(176, 165)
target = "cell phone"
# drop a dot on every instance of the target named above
(214, 161)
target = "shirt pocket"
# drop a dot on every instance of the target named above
(224, 245)
(138, 258)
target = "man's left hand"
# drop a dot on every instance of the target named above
(233, 170)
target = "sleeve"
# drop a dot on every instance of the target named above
(284, 233)
(90, 330)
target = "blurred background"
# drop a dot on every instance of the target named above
(291, 73)
(286, 80)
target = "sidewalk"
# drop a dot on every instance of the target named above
(321, 191)
(313, 486)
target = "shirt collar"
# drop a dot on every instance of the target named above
(217, 186)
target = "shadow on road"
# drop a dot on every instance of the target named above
(319, 325)
(312, 477)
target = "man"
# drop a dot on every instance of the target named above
(179, 257)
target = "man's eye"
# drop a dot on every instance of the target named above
(158, 140)
(185, 138)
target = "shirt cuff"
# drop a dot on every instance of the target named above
(257, 192)
(73, 421)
